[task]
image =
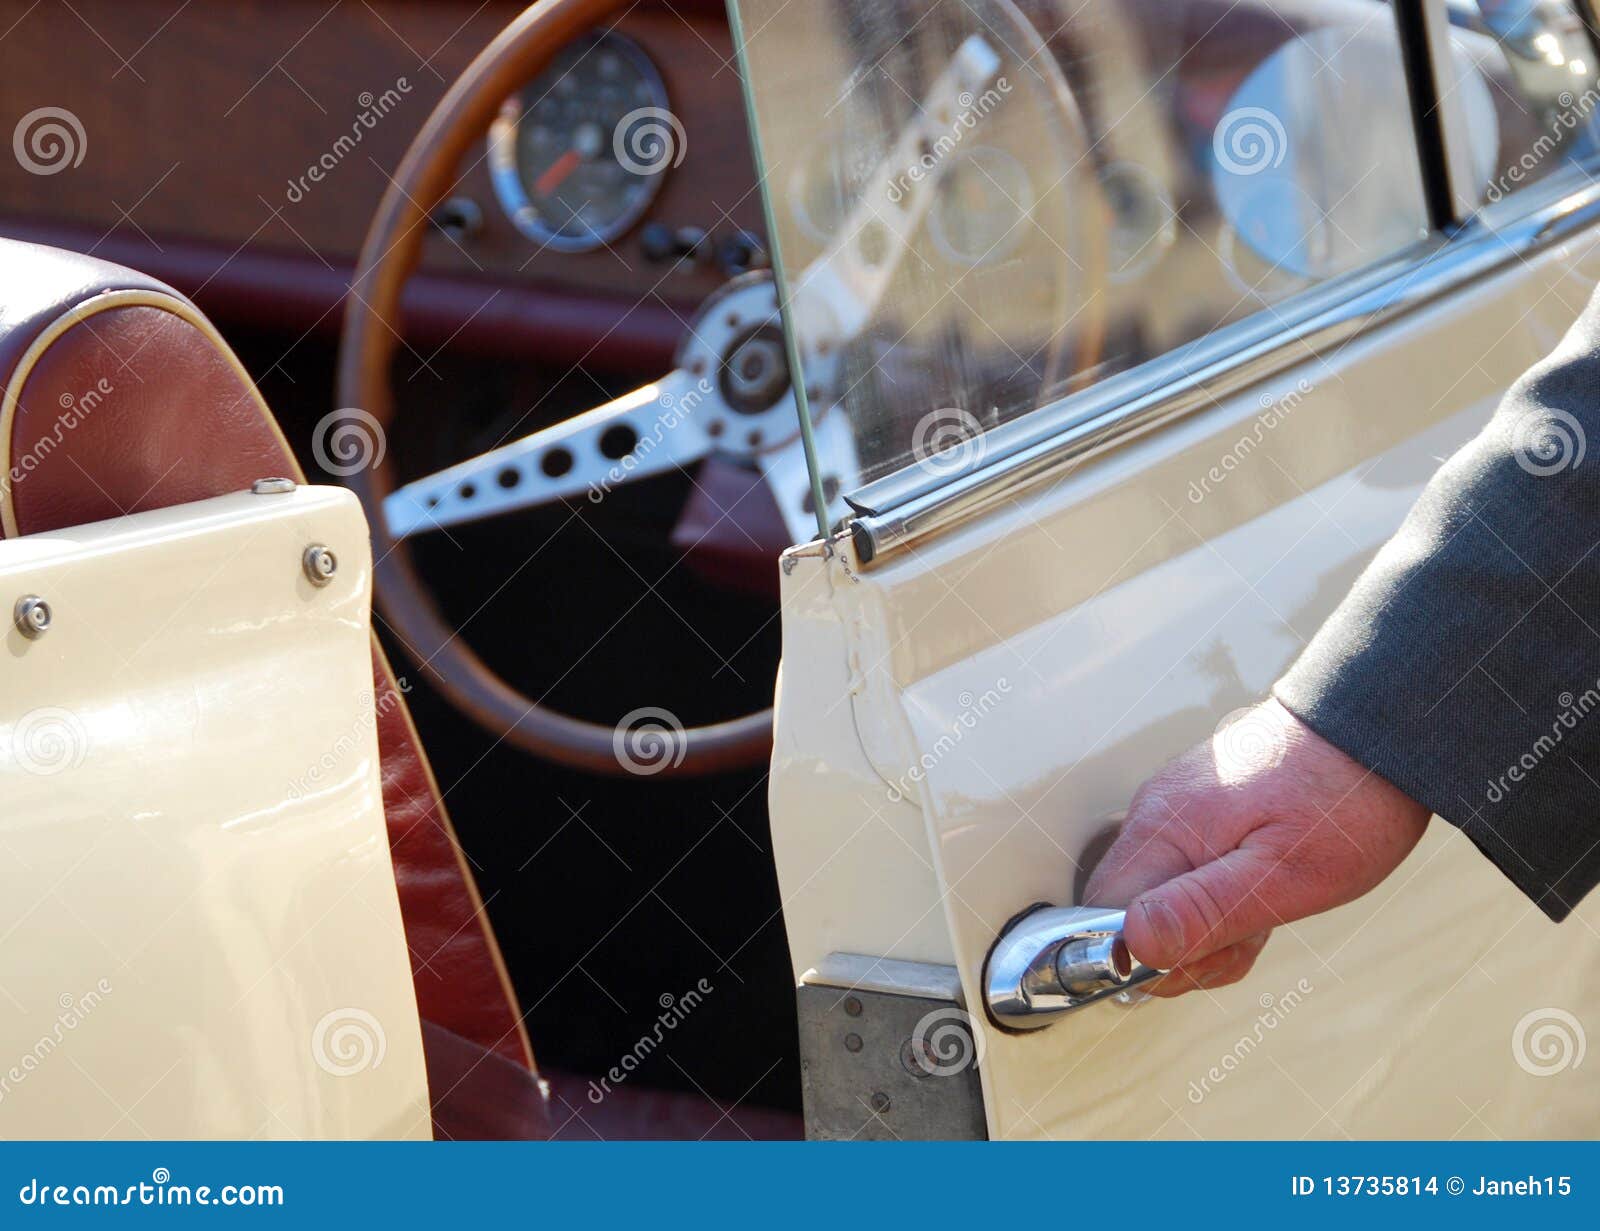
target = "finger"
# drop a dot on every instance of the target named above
(1217, 970)
(1205, 911)
(1141, 858)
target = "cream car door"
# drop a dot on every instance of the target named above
(1151, 321)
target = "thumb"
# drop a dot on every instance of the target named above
(1196, 914)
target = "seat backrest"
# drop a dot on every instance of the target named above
(120, 397)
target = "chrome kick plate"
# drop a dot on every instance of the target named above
(1054, 959)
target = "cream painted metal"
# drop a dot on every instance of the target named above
(199, 930)
(1016, 678)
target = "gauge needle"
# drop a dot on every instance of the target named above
(557, 172)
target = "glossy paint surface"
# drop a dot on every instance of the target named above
(199, 931)
(1020, 676)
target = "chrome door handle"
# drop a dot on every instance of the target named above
(1055, 959)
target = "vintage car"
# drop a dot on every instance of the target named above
(1031, 377)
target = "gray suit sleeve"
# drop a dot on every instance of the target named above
(1464, 666)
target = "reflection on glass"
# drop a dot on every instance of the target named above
(983, 206)
(1541, 65)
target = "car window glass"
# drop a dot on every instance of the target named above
(981, 206)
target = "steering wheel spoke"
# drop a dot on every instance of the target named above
(651, 431)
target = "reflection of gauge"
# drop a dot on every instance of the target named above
(827, 184)
(1252, 276)
(977, 215)
(578, 155)
(1143, 222)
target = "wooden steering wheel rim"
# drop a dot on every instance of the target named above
(371, 329)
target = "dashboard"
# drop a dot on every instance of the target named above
(238, 149)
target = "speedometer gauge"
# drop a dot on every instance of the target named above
(580, 152)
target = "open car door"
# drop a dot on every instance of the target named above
(1150, 321)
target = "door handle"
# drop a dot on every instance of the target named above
(1052, 960)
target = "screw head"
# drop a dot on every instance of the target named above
(852, 1006)
(852, 1042)
(880, 1102)
(272, 487)
(32, 615)
(320, 564)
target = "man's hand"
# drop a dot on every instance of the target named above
(1263, 824)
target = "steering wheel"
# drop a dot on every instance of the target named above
(371, 330)
(730, 393)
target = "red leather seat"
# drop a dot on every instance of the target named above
(120, 397)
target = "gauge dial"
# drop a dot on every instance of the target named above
(578, 155)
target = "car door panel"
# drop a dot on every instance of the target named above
(203, 937)
(1018, 676)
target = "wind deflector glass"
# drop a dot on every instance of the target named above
(980, 207)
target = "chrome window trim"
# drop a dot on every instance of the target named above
(1076, 428)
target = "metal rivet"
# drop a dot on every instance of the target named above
(918, 1059)
(272, 487)
(852, 1042)
(880, 1102)
(852, 1006)
(32, 615)
(320, 564)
